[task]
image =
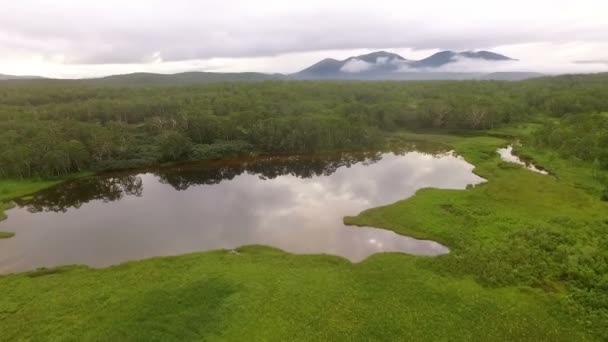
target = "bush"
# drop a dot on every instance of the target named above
(109, 165)
(175, 146)
(220, 149)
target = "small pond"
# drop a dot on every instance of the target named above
(293, 203)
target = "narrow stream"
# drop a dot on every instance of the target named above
(506, 153)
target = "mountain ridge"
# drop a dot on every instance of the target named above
(379, 62)
(4, 77)
(377, 65)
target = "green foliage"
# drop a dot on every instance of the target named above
(5, 206)
(583, 136)
(518, 229)
(583, 139)
(121, 164)
(262, 294)
(220, 149)
(507, 165)
(174, 146)
(528, 262)
(5, 235)
(528, 254)
(57, 128)
(14, 188)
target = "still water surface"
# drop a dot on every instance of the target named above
(506, 154)
(293, 203)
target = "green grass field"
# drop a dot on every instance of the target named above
(528, 262)
(265, 294)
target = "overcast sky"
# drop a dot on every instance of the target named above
(75, 38)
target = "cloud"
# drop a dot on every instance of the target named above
(64, 36)
(461, 64)
(591, 62)
(475, 65)
(115, 31)
(356, 65)
(383, 60)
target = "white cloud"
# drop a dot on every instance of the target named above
(475, 65)
(63, 36)
(356, 65)
(383, 60)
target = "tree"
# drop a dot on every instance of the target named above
(175, 146)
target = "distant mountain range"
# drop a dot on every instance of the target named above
(386, 65)
(380, 65)
(184, 78)
(4, 77)
(146, 78)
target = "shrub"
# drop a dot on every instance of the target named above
(220, 149)
(109, 165)
(174, 146)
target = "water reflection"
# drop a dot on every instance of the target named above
(75, 194)
(506, 154)
(293, 203)
(183, 176)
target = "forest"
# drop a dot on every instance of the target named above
(58, 128)
(528, 258)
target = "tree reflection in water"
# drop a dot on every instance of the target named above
(74, 194)
(114, 186)
(183, 176)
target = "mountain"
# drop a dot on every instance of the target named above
(144, 78)
(184, 78)
(372, 63)
(379, 65)
(4, 77)
(445, 57)
(385, 65)
(374, 56)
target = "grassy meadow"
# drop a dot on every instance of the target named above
(528, 262)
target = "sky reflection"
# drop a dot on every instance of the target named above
(180, 210)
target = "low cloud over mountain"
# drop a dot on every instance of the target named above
(386, 65)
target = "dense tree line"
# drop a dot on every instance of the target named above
(57, 128)
(581, 136)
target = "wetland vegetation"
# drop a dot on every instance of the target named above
(528, 252)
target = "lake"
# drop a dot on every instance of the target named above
(293, 203)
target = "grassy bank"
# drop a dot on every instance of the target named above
(5, 206)
(528, 262)
(518, 229)
(11, 188)
(264, 294)
(16, 188)
(5, 235)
